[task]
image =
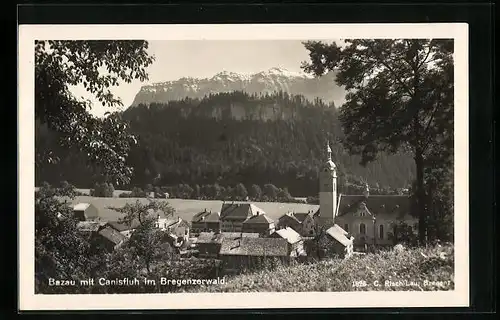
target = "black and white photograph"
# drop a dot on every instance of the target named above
(304, 166)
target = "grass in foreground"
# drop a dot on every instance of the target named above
(421, 269)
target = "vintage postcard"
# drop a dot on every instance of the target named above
(243, 166)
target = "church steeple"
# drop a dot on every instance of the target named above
(329, 165)
(328, 151)
(328, 188)
(366, 192)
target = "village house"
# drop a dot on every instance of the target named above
(101, 234)
(125, 229)
(232, 215)
(112, 239)
(288, 220)
(85, 211)
(336, 242)
(295, 241)
(302, 223)
(177, 227)
(240, 254)
(260, 224)
(307, 223)
(205, 221)
(209, 243)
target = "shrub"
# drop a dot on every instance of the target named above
(426, 269)
(104, 189)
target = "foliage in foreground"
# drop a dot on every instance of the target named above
(60, 64)
(358, 273)
(65, 254)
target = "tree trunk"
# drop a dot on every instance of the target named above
(420, 197)
(419, 161)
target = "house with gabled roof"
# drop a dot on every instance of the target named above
(110, 238)
(335, 241)
(245, 253)
(101, 234)
(175, 226)
(260, 224)
(124, 228)
(85, 211)
(288, 220)
(232, 215)
(205, 221)
(295, 241)
(209, 243)
(302, 222)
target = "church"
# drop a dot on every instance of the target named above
(370, 219)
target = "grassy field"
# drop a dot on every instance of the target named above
(421, 269)
(187, 208)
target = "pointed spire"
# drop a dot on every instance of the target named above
(328, 151)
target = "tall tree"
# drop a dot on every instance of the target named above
(400, 97)
(61, 251)
(240, 192)
(97, 65)
(256, 192)
(148, 242)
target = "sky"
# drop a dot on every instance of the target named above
(204, 58)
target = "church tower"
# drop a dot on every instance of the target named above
(328, 189)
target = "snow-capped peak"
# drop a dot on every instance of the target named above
(271, 80)
(278, 71)
(232, 76)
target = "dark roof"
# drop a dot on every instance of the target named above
(387, 205)
(261, 218)
(301, 216)
(122, 226)
(235, 211)
(239, 211)
(199, 217)
(289, 218)
(206, 216)
(113, 235)
(277, 247)
(213, 217)
(212, 237)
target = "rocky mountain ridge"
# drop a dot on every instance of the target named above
(268, 81)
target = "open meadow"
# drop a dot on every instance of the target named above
(186, 208)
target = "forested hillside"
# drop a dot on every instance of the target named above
(230, 138)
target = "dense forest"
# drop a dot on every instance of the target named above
(231, 138)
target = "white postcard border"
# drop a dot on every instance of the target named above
(26, 154)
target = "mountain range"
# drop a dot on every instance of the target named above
(268, 81)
